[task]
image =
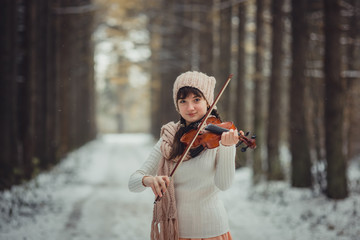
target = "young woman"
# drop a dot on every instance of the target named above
(190, 207)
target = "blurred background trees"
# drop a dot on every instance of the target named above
(296, 85)
(47, 84)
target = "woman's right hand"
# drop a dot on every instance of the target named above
(158, 184)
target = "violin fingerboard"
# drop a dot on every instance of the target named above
(215, 129)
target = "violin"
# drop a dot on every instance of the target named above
(210, 137)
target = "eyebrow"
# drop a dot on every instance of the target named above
(195, 96)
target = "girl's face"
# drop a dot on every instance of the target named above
(192, 108)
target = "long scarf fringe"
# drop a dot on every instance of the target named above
(158, 230)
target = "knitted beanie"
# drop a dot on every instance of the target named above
(196, 80)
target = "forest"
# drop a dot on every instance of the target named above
(47, 92)
(296, 67)
(296, 85)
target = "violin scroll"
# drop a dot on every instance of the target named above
(250, 143)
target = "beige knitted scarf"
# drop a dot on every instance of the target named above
(165, 223)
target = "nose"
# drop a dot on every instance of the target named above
(190, 106)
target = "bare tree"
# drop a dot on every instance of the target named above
(8, 70)
(223, 71)
(155, 29)
(352, 112)
(275, 171)
(206, 38)
(241, 97)
(334, 103)
(315, 92)
(173, 62)
(301, 164)
(259, 106)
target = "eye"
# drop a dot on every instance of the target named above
(197, 99)
(181, 101)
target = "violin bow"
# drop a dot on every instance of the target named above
(187, 149)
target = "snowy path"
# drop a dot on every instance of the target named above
(108, 210)
(89, 199)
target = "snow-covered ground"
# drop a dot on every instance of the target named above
(86, 197)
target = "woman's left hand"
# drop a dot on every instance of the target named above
(230, 138)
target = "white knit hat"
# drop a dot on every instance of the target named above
(196, 80)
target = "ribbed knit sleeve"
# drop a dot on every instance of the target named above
(225, 166)
(149, 168)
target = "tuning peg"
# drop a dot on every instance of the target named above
(244, 149)
(247, 134)
(239, 143)
(253, 136)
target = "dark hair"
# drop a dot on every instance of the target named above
(185, 91)
(178, 147)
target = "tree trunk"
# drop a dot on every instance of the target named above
(174, 44)
(334, 103)
(352, 131)
(259, 105)
(315, 93)
(301, 164)
(224, 57)
(186, 35)
(8, 93)
(155, 21)
(241, 97)
(206, 39)
(275, 171)
(74, 53)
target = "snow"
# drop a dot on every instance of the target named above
(86, 197)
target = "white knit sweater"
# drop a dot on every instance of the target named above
(201, 214)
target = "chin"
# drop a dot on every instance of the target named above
(191, 120)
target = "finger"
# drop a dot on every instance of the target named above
(167, 180)
(236, 137)
(158, 188)
(223, 141)
(225, 138)
(230, 136)
(225, 134)
(154, 191)
(163, 186)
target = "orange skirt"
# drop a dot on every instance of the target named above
(226, 236)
